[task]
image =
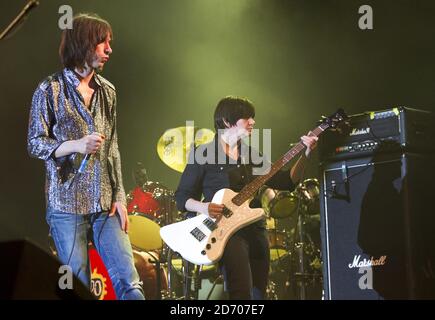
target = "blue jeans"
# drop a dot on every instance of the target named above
(112, 244)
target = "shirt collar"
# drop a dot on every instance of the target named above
(221, 153)
(72, 78)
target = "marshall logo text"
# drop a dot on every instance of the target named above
(357, 132)
(367, 262)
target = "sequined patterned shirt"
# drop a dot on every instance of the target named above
(58, 114)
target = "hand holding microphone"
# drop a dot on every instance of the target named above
(89, 145)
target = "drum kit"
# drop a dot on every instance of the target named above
(293, 227)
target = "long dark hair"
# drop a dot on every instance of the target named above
(77, 45)
(231, 109)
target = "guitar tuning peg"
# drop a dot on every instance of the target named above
(321, 120)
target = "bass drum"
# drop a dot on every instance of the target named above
(144, 233)
(148, 274)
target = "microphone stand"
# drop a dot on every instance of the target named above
(29, 6)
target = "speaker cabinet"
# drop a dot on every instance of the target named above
(30, 273)
(378, 227)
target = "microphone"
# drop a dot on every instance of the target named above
(84, 164)
(79, 172)
(29, 6)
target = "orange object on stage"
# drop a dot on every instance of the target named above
(101, 285)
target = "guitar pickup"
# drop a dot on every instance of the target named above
(198, 234)
(210, 224)
(227, 212)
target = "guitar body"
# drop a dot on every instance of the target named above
(201, 240)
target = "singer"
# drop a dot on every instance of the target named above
(72, 125)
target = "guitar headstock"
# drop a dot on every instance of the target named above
(336, 121)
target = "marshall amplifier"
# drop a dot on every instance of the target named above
(377, 227)
(396, 129)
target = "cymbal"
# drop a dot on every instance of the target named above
(175, 144)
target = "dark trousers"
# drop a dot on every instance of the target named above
(245, 263)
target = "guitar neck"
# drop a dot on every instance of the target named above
(250, 189)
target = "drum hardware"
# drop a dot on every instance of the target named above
(304, 245)
(187, 279)
(191, 277)
(293, 227)
(192, 280)
(170, 293)
(156, 261)
(202, 273)
(151, 273)
(220, 278)
(185, 272)
(299, 245)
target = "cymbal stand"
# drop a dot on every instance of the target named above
(186, 279)
(170, 294)
(191, 273)
(156, 260)
(299, 244)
